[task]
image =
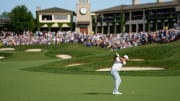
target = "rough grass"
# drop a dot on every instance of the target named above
(155, 55)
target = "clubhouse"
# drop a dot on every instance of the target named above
(137, 17)
(54, 19)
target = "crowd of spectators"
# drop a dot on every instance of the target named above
(111, 41)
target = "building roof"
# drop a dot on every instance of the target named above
(55, 9)
(138, 6)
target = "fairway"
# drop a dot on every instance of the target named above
(19, 85)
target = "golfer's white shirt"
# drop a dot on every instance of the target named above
(117, 65)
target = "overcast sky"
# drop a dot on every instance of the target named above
(8, 5)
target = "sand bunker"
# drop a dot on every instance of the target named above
(64, 56)
(1, 57)
(75, 64)
(133, 69)
(33, 50)
(6, 49)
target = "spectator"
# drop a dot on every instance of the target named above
(111, 41)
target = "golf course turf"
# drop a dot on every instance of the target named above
(41, 76)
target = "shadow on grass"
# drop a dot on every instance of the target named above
(96, 93)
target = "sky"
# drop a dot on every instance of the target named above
(8, 5)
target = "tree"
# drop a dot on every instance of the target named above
(4, 15)
(21, 19)
(122, 22)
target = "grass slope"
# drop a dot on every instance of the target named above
(156, 55)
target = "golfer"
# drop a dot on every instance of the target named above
(117, 65)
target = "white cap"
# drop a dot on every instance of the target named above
(125, 56)
(117, 54)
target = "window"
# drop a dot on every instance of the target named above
(163, 13)
(137, 15)
(60, 17)
(118, 16)
(99, 18)
(46, 17)
(127, 16)
(108, 17)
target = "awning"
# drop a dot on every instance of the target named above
(98, 24)
(65, 25)
(151, 21)
(45, 25)
(166, 20)
(104, 24)
(158, 20)
(110, 24)
(55, 25)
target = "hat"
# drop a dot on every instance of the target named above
(125, 56)
(117, 54)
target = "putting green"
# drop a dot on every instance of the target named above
(19, 85)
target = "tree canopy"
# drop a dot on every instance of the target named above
(21, 19)
(4, 15)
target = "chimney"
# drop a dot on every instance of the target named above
(159, 1)
(135, 2)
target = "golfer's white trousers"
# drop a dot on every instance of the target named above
(117, 80)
